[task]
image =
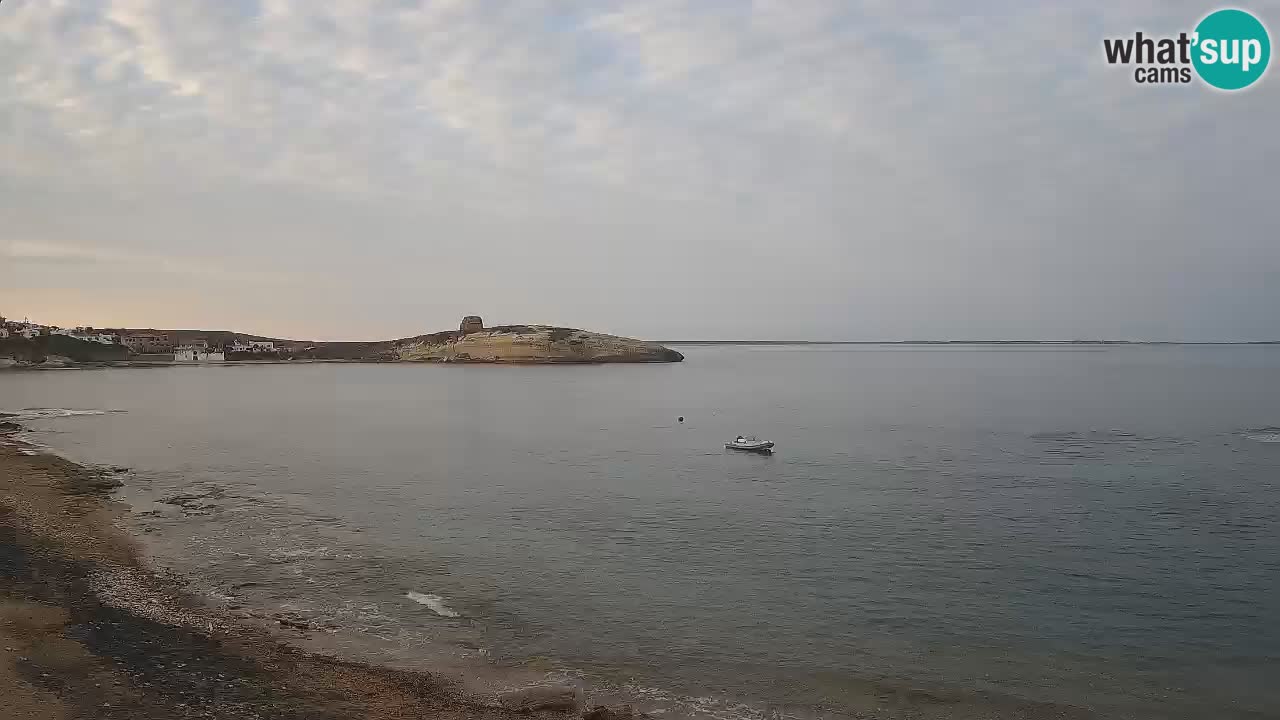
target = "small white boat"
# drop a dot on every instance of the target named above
(750, 444)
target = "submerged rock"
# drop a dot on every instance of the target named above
(542, 697)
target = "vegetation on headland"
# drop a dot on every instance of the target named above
(499, 344)
(42, 349)
(531, 344)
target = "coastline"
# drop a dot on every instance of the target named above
(471, 343)
(124, 364)
(127, 364)
(88, 630)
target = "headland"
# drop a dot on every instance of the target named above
(28, 345)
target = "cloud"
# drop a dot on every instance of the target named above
(28, 254)
(743, 154)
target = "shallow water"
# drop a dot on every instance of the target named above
(1094, 527)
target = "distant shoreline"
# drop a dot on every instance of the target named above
(471, 343)
(64, 364)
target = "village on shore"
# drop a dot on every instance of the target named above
(147, 345)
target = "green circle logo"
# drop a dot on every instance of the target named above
(1232, 49)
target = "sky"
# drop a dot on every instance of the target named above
(665, 169)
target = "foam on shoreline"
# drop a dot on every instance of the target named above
(434, 602)
(29, 414)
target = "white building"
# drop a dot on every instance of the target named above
(252, 346)
(187, 353)
(88, 336)
(25, 329)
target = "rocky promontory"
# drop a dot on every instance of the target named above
(474, 343)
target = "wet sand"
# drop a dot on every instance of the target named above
(87, 632)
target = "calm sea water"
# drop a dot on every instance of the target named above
(1087, 527)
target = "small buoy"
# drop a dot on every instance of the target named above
(681, 418)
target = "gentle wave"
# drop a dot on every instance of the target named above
(1092, 436)
(53, 413)
(434, 602)
(1267, 434)
(708, 706)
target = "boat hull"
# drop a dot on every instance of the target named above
(764, 447)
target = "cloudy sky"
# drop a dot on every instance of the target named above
(822, 169)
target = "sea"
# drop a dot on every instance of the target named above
(943, 531)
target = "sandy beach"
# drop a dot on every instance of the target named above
(86, 631)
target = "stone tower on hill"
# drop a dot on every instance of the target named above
(470, 324)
